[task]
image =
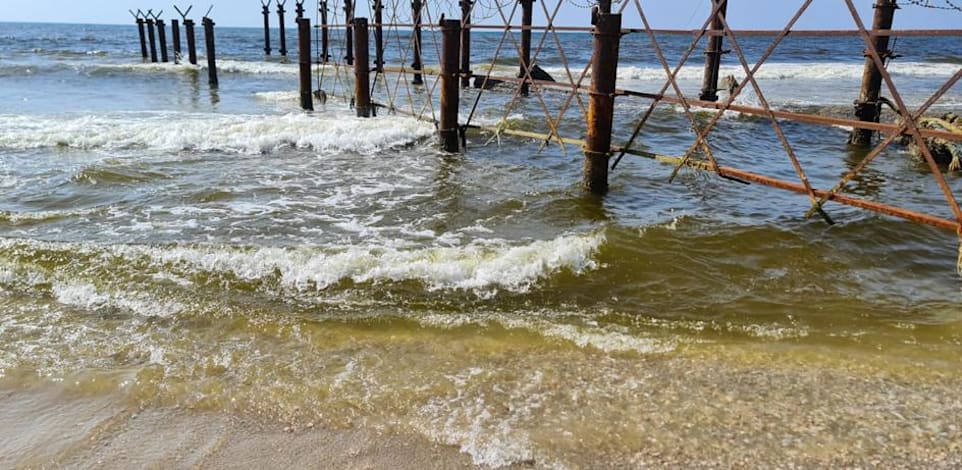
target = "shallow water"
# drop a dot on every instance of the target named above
(174, 245)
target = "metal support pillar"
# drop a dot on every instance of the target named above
(713, 54)
(162, 37)
(527, 9)
(175, 31)
(466, 42)
(416, 7)
(378, 36)
(304, 60)
(191, 42)
(325, 36)
(868, 107)
(152, 37)
(349, 33)
(299, 8)
(211, 51)
(280, 15)
(143, 38)
(601, 104)
(266, 11)
(362, 69)
(450, 49)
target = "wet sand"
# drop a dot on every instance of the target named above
(699, 412)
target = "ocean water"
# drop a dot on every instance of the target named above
(169, 244)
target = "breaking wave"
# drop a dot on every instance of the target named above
(243, 134)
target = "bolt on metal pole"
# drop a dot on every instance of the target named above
(868, 107)
(450, 49)
(362, 69)
(304, 59)
(713, 53)
(416, 7)
(466, 42)
(211, 51)
(601, 104)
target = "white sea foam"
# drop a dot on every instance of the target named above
(477, 266)
(244, 134)
(785, 71)
(88, 297)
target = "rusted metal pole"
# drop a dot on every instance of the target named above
(416, 7)
(349, 33)
(466, 42)
(162, 36)
(868, 107)
(153, 39)
(304, 59)
(191, 42)
(175, 30)
(450, 49)
(601, 104)
(266, 11)
(362, 69)
(280, 16)
(322, 9)
(143, 38)
(527, 9)
(378, 36)
(211, 51)
(713, 54)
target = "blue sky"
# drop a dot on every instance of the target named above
(757, 14)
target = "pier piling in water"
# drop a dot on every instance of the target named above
(143, 37)
(162, 37)
(450, 49)
(713, 54)
(191, 41)
(466, 42)
(869, 107)
(416, 7)
(151, 35)
(211, 51)
(175, 31)
(362, 69)
(601, 104)
(378, 36)
(527, 9)
(325, 36)
(349, 32)
(266, 11)
(283, 29)
(304, 60)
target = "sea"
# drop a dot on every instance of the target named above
(169, 245)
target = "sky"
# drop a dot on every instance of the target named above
(689, 14)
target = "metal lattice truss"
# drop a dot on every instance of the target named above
(418, 101)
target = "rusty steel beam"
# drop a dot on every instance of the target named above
(143, 37)
(304, 62)
(211, 51)
(713, 54)
(868, 107)
(191, 41)
(362, 69)
(266, 11)
(466, 6)
(175, 32)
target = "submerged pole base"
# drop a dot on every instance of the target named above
(595, 174)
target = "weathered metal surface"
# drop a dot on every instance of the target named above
(325, 34)
(601, 102)
(416, 7)
(466, 7)
(450, 50)
(713, 54)
(362, 69)
(143, 38)
(304, 62)
(152, 37)
(378, 35)
(162, 38)
(348, 32)
(191, 41)
(527, 10)
(282, 27)
(868, 106)
(266, 11)
(211, 51)
(175, 31)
